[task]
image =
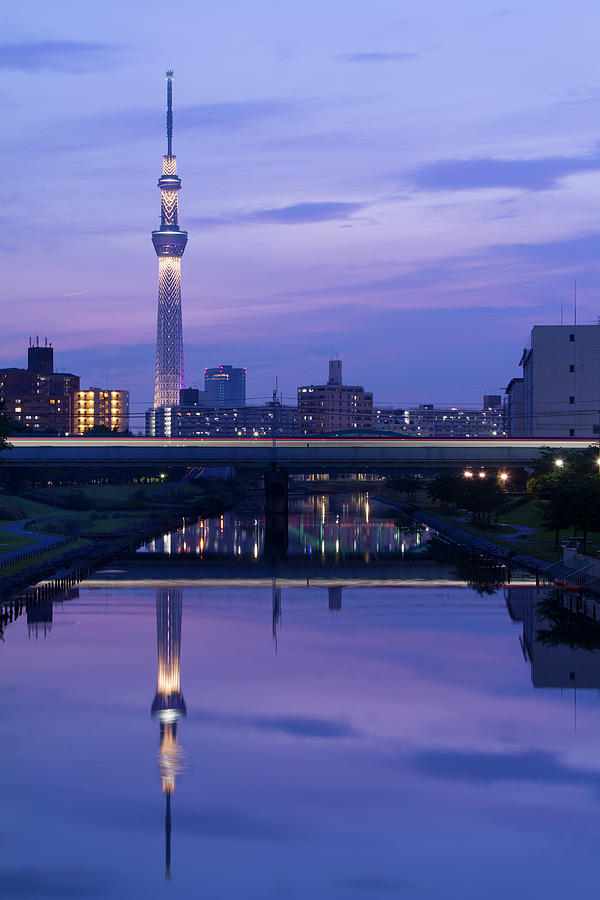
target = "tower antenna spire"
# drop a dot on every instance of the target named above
(169, 112)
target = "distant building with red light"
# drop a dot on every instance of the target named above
(225, 386)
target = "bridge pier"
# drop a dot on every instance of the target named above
(276, 482)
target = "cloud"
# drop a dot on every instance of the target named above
(55, 56)
(376, 57)
(295, 214)
(488, 768)
(580, 250)
(301, 213)
(539, 174)
(292, 726)
(236, 113)
(121, 126)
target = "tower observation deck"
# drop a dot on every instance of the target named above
(169, 242)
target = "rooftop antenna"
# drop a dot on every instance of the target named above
(169, 112)
(561, 315)
(575, 307)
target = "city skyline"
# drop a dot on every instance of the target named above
(412, 186)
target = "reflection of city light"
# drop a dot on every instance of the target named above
(255, 550)
(337, 546)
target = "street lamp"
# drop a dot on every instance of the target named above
(482, 474)
(503, 477)
(559, 462)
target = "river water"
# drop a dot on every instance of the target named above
(370, 717)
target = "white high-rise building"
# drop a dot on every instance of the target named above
(558, 395)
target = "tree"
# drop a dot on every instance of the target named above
(104, 431)
(445, 489)
(404, 484)
(5, 428)
(569, 495)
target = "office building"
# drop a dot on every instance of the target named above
(226, 385)
(38, 398)
(195, 397)
(169, 243)
(558, 394)
(331, 407)
(431, 421)
(223, 422)
(101, 407)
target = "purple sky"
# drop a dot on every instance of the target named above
(412, 190)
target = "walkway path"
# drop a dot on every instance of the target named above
(42, 542)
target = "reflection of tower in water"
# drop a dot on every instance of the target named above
(168, 706)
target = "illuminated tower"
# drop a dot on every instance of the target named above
(169, 242)
(168, 705)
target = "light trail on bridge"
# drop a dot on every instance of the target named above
(302, 455)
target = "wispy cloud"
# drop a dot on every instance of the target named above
(294, 214)
(141, 124)
(376, 57)
(543, 173)
(56, 56)
(487, 768)
(234, 113)
(300, 213)
(292, 726)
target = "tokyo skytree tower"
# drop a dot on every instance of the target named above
(169, 242)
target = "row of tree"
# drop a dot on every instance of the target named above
(481, 497)
(567, 488)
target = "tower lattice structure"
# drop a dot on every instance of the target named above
(169, 242)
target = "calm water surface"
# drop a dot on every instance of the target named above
(358, 721)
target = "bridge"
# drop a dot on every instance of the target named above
(309, 455)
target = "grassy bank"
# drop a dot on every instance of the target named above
(518, 513)
(95, 521)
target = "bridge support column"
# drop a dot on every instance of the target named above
(276, 513)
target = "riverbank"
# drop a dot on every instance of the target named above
(77, 530)
(459, 535)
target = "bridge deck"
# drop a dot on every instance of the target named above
(295, 454)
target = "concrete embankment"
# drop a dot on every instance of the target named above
(459, 536)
